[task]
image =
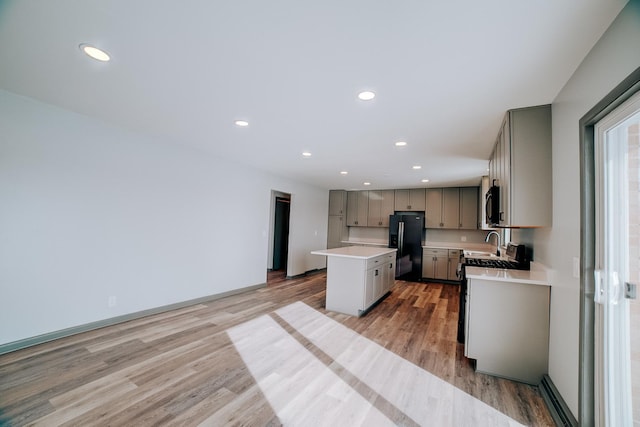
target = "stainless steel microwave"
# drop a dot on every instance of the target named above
(492, 205)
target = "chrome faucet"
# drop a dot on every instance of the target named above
(491, 233)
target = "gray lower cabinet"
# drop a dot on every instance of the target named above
(435, 263)
(440, 263)
(507, 329)
(454, 260)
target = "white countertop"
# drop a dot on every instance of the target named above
(363, 243)
(362, 252)
(537, 275)
(469, 246)
(485, 247)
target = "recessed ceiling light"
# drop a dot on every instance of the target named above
(343, 172)
(366, 95)
(306, 154)
(417, 167)
(241, 123)
(425, 180)
(94, 52)
(366, 183)
(400, 144)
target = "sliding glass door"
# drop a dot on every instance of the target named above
(617, 313)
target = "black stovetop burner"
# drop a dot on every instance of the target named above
(516, 259)
(495, 263)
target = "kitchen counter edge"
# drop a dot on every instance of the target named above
(537, 275)
(360, 252)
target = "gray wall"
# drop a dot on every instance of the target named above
(89, 211)
(612, 59)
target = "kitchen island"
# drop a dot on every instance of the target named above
(358, 277)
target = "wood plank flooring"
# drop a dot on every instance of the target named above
(268, 357)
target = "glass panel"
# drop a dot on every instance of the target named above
(618, 258)
(633, 137)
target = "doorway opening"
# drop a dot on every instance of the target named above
(279, 241)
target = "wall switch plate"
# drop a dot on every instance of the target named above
(112, 301)
(576, 267)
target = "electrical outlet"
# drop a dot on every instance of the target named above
(463, 238)
(112, 301)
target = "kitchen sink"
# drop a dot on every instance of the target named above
(479, 254)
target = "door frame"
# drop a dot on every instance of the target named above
(275, 194)
(622, 92)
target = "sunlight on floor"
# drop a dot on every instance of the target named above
(315, 371)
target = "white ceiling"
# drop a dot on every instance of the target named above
(444, 74)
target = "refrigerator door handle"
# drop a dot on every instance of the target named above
(400, 237)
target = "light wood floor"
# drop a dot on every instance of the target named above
(269, 357)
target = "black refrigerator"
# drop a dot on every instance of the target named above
(405, 234)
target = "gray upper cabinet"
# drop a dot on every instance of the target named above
(413, 199)
(381, 205)
(452, 208)
(469, 208)
(337, 202)
(357, 208)
(521, 166)
(337, 227)
(445, 208)
(433, 213)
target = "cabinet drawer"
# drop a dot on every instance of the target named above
(444, 253)
(455, 253)
(376, 262)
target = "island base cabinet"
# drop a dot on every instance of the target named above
(354, 285)
(507, 327)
